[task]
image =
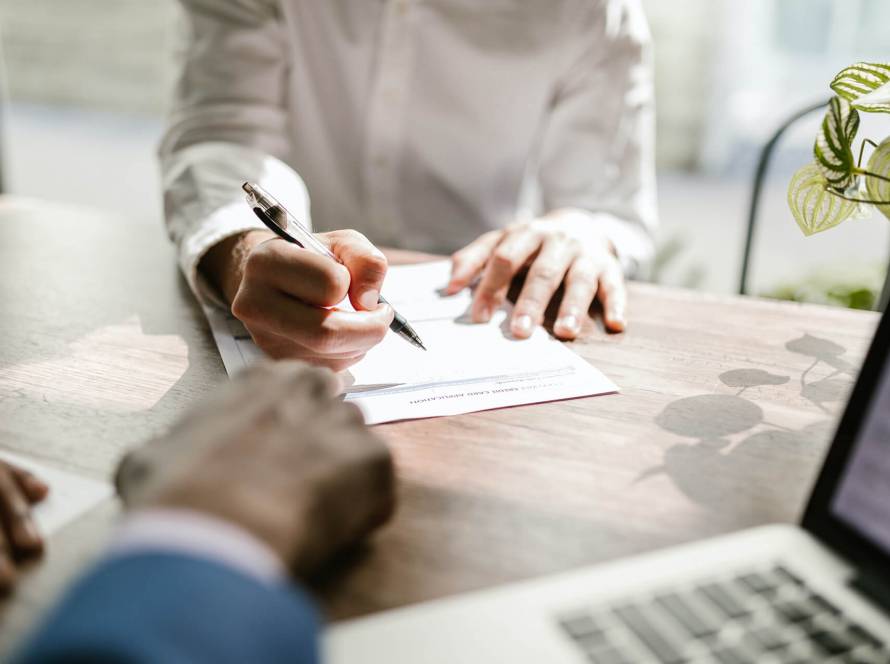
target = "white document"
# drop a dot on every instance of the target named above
(69, 495)
(467, 367)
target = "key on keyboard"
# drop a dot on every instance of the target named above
(749, 617)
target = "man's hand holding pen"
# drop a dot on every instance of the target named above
(283, 294)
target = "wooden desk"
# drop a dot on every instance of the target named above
(725, 411)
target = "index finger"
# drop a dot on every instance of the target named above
(467, 263)
(506, 260)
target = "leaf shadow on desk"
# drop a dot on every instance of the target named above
(833, 387)
(737, 453)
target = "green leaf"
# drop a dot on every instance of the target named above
(861, 79)
(833, 148)
(814, 207)
(879, 163)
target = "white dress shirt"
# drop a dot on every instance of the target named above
(197, 535)
(422, 123)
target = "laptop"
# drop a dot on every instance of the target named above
(818, 592)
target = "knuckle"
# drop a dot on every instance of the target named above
(259, 261)
(352, 235)
(540, 226)
(585, 272)
(544, 274)
(559, 236)
(377, 263)
(373, 267)
(253, 268)
(317, 379)
(244, 307)
(334, 284)
(352, 413)
(323, 340)
(501, 259)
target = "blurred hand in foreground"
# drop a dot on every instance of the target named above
(20, 539)
(277, 454)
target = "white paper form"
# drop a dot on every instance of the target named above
(467, 367)
(69, 495)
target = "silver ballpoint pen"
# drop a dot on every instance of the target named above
(285, 225)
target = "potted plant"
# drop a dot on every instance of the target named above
(835, 186)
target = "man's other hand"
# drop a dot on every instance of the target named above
(552, 249)
(20, 539)
(285, 295)
(277, 454)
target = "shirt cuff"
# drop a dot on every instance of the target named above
(633, 244)
(197, 535)
(204, 202)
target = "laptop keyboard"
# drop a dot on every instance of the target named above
(764, 616)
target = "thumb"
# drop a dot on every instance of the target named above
(366, 264)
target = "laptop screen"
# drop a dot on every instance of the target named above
(862, 499)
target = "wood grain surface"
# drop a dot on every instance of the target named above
(725, 411)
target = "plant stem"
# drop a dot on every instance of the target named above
(855, 200)
(869, 174)
(862, 149)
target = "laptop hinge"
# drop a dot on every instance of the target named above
(874, 587)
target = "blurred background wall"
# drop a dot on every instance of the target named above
(87, 82)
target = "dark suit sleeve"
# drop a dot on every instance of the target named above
(171, 608)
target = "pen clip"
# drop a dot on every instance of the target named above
(280, 232)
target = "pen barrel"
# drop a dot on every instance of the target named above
(398, 323)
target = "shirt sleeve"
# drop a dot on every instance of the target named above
(228, 124)
(198, 535)
(597, 153)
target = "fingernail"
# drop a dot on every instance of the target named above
(369, 299)
(485, 314)
(522, 324)
(569, 323)
(616, 318)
